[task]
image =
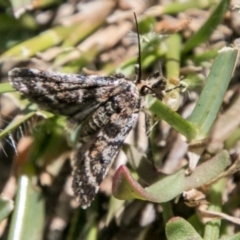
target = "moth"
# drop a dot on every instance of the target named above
(106, 107)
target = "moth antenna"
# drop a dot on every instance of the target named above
(139, 51)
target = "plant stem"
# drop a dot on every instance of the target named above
(212, 229)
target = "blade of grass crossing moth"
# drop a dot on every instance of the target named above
(6, 87)
(15, 124)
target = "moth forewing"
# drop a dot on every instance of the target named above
(92, 166)
(65, 94)
(107, 107)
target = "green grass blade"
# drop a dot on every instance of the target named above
(39, 43)
(203, 34)
(212, 229)
(211, 98)
(234, 237)
(175, 120)
(180, 229)
(173, 56)
(15, 124)
(6, 87)
(173, 98)
(27, 222)
(176, 7)
(6, 207)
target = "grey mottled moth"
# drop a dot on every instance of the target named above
(107, 108)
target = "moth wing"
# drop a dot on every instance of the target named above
(91, 168)
(65, 94)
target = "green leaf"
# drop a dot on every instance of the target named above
(172, 118)
(210, 100)
(28, 221)
(39, 43)
(234, 237)
(176, 7)
(168, 186)
(203, 34)
(179, 229)
(212, 228)
(6, 207)
(125, 187)
(173, 56)
(114, 206)
(16, 123)
(6, 87)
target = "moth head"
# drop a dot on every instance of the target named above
(155, 84)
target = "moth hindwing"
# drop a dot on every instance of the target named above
(107, 108)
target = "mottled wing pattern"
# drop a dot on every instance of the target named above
(107, 106)
(93, 165)
(75, 96)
